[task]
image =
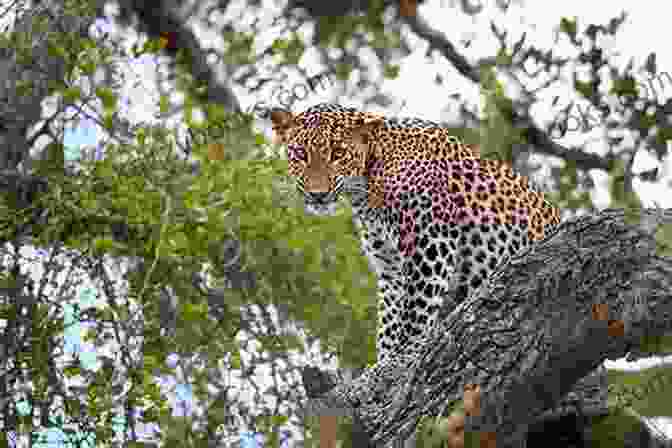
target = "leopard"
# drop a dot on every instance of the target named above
(435, 217)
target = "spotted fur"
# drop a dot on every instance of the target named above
(435, 219)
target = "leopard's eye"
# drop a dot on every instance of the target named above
(296, 152)
(337, 153)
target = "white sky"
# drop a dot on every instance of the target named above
(415, 87)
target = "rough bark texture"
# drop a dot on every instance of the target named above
(527, 336)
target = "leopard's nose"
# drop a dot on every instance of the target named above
(319, 197)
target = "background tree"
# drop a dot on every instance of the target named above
(277, 286)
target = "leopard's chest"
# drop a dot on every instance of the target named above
(379, 244)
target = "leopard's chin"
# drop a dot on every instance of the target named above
(328, 209)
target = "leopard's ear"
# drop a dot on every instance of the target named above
(282, 120)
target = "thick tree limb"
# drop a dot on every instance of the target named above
(529, 334)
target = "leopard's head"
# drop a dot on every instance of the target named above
(324, 149)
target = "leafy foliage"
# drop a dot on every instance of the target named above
(309, 270)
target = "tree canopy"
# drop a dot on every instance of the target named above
(221, 266)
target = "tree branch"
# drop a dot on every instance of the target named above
(555, 312)
(535, 136)
(161, 18)
(20, 108)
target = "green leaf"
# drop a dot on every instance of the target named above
(72, 94)
(103, 244)
(164, 104)
(88, 67)
(150, 361)
(279, 420)
(391, 71)
(503, 57)
(584, 88)
(179, 240)
(140, 135)
(259, 139)
(280, 44)
(55, 49)
(108, 121)
(343, 71)
(626, 86)
(568, 26)
(664, 239)
(193, 312)
(72, 370)
(235, 360)
(107, 97)
(24, 87)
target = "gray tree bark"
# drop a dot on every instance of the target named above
(527, 336)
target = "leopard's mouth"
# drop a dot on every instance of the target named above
(320, 208)
(321, 203)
